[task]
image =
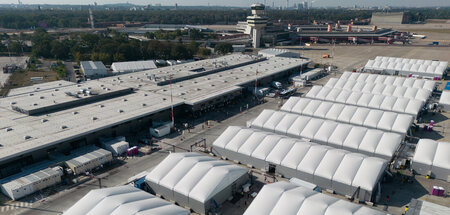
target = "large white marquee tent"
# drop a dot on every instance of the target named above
(289, 199)
(330, 168)
(196, 181)
(371, 142)
(390, 80)
(381, 102)
(360, 116)
(379, 89)
(432, 158)
(123, 200)
(406, 67)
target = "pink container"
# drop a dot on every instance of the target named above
(441, 191)
(435, 191)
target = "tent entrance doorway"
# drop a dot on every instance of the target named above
(272, 168)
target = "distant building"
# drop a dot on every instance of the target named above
(238, 48)
(278, 53)
(380, 18)
(257, 21)
(93, 69)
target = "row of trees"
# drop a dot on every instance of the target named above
(110, 47)
(25, 19)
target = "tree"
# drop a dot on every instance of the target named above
(119, 57)
(195, 34)
(149, 35)
(204, 52)
(41, 43)
(106, 58)
(59, 50)
(15, 47)
(223, 48)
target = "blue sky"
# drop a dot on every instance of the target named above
(411, 3)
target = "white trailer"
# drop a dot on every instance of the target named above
(18, 186)
(162, 130)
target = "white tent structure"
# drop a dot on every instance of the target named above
(133, 66)
(289, 199)
(406, 67)
(196, 181)
(379, 89)
(390, 80)
(360, 116)
(432, 158)
(371, 142)
(93, 68)
(17, 187)
(123, 200)
(380, 102)
(444, 101)
(329, 168)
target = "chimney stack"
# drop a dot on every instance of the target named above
(349, 28)
(374, 28)
(329, 28)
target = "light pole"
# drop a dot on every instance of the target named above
(171, 102)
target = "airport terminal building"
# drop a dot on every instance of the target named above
(61, 116)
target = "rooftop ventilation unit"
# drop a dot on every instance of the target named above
(27, 137)
(75, 113)
(94, 118)
(44, 120)
(120, 111)
(63, 127)
(8, 129)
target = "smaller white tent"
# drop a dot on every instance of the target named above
(290, 199)
(133, 66)
(360, 116)
(93, 68)
(432, 158)
(349, 137)
(397, 66)
(398, 90)
(196, 181)
(374, 101)
(123, 200)
(444, 101)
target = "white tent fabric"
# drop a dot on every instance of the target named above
(308, 161)
(123, 200)
(289, 199)
(350, 137)
(444, 101)
(406, 67)
(192, 179)
(389, 80)
(360, 116)
(133, 66)
(432, 157)
(381, 102)
(379, 88)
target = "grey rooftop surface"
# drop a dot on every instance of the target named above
(136, 96)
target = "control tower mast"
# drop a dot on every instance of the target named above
(257, 21)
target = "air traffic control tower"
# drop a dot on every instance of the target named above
(257, 21)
